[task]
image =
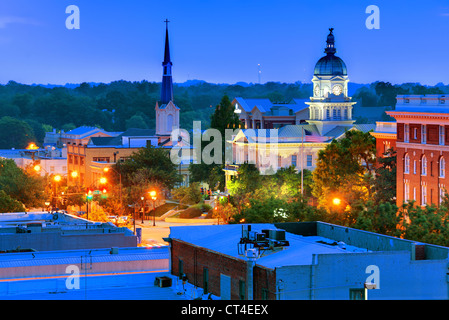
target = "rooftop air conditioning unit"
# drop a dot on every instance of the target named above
(163, 282)
(274, 234)
(256, 236)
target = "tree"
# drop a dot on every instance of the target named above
(223, 118)
(149, 167)
(385, 182)
(15, 133)
(8, 204)
(136, 121)
(188, 195)
(345, 169)
(25, 188)
(248, 180)
(427, 224)
(382, 218)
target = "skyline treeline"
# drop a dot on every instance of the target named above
(120, 105)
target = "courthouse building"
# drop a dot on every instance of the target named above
(304, 126)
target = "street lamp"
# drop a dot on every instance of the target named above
(57, 178)
(153, 196)
(47, 204)
(143, 207)
(89, 195)
(336, 201)
(120, 177)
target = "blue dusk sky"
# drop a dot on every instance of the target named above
(221, 41)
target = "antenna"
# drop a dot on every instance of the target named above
(259, 72)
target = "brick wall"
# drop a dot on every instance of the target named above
(415, 180)
(195, 259)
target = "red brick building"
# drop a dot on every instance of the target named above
(303, 261)
(422, 148)
(385, 134)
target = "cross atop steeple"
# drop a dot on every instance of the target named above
(166, 23)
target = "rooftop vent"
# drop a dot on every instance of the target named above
(268, 239)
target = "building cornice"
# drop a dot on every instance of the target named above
(431, 147)
(417, 115)
(383, 135)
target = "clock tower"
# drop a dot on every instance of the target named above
(330, 105)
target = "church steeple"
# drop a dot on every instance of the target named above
(167, 81)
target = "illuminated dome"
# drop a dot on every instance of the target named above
(330, 64)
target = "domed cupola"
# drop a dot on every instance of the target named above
(330, 64)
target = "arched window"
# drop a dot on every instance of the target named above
(442, 171)
(424, 166)
(407, 163)
(170, 122)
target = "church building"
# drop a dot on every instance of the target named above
(167, 112)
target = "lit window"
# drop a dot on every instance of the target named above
(441, 135)
(407, 164)
(406, 191)
(423, 134)
(424, 166)
(294, 161)
(309, 160)
(406, 133)
(423, 195)
(442, 167)
(442, 193)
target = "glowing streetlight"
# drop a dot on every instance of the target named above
(153, 195)
(336, 201)
(57, 178)
(103, 180)
(74, 174)
(106, 170)
(32, 146)
(37, 168)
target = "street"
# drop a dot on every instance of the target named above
(153, 235)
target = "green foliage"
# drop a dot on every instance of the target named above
(385, 182)
(190, 213)
(427, 224)
(223, 118)
(19, 185)
(8, 204)
(147, 166)
(15, 133)
(188, 195)
(345, 169)
(382, 218)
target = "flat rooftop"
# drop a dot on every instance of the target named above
(130, 275)
(225, 239)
